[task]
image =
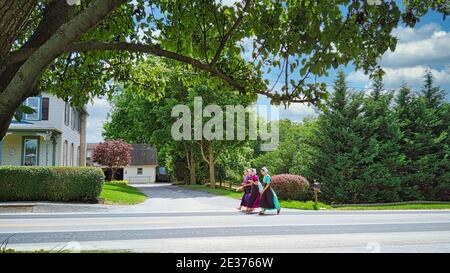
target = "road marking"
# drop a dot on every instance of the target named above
(178, 227)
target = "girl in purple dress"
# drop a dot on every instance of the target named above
(254, 199)
(246, 186)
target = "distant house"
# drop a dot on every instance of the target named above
(89, 152)
(143, 166)
(54, 135)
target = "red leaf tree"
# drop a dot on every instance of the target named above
(113, 154)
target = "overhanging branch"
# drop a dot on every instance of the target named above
(156, 50)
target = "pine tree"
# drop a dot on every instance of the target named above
(434, 95)
(424, 125)
(380, 150)
(332, 151)
(378, 87)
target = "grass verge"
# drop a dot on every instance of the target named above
(121, 194)
(292, 204)
(397, 207)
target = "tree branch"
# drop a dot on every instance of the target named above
(230, 32)
(202, 152)
(156, 50)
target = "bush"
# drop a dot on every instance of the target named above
(20, 183)
(120, 182)
(291, 187)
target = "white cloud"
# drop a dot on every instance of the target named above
(395, 77)
(426, 45)
(98, 112)
(297, 112)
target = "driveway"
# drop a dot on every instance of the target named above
(162, 198)
(169, 198)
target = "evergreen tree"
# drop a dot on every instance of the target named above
(380, 148)
(424, 124)
(332, 152)
(434, 95)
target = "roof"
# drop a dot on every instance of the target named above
(143, 154)
(91, 146)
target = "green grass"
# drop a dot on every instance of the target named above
(7, 251)
(306, 205)
(292, 204)
(218, 191)
(310, 205)
(397, 207)
(121, 194)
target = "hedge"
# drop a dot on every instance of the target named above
(21, 183)
(291, 187)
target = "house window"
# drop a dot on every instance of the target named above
(139, 170)
(67, 113)
(30, 155)
(35, 104)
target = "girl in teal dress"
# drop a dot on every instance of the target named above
(269, 199)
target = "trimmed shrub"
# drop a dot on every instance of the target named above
(120, 182)
(21, 183)
(291, 187)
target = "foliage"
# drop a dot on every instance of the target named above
(76, 51)
(375, 147)
(120, 182)
(290, 187)
(50, 183)
(113, 154)
(139, 117)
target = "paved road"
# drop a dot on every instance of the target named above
(179, 220)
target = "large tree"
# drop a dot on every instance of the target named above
(140, 116)
(75, 50)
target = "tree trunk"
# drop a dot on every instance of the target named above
(24, 78)
(13, 20)
(212, 175)
(192, 168)
(113, 174)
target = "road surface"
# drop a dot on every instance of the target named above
(179, 220)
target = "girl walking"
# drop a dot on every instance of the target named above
(269, 199)
(254, 199)
(246, 186)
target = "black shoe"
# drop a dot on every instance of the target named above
(278, 211)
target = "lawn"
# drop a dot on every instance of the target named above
(397, 207)
(310, 205)
(292, 204)
(121, 194)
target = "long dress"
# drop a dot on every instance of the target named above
(269, 199)
(255, 197)
(247, 190)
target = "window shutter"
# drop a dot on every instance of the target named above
(45, 106)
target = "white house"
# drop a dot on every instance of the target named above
(54, 135)
(142, 168)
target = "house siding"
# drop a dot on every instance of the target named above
(148, 174)
(55, 122)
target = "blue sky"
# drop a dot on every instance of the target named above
(426, 46)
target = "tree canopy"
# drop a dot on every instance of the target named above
(75, 51)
